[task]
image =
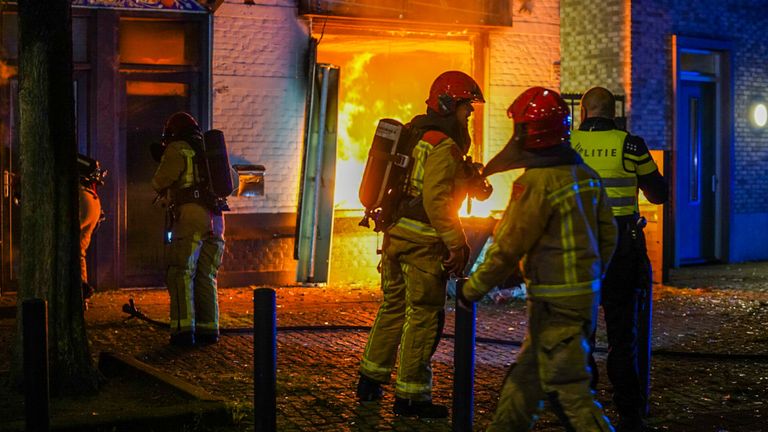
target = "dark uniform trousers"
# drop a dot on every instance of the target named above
(627, 279)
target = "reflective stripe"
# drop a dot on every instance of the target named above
(207, 326)
(560, 198)
(619, 182)
(374, 368)
(413, 388)
(621, 201)
(188, 176)
(420, 153)
(182, 325)
(564, 289)
(416, 227)
(572, 189)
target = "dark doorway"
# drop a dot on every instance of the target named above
(9, 162)
(148, 104)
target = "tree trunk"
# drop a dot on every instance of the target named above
(49, 182)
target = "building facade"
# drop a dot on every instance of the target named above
(691, 76)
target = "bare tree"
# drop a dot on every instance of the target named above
(49, 210)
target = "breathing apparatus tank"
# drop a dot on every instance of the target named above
(217, 161)
(386, 172)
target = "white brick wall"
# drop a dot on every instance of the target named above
(519, 58)
(259, 58)
(259, 89)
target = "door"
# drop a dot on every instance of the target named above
(149, 102)
(697, 180)
(10, 230)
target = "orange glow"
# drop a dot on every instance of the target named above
(6, 72)
(157, 43)
(627, 61)
(149, 88)
(385, 77)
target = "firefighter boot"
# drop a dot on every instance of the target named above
(421, 409)
(368, 390)
(183, 339)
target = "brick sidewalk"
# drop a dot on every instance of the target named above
(317, 369)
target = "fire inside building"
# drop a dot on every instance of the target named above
(298, 86)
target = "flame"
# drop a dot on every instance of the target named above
(387, 78)
(6, 72)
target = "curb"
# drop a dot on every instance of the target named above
(196, 408)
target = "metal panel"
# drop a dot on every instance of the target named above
(318, 180)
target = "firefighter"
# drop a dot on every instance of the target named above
(91, 176)
(624, 163)
(196, 235)
(560, 225)
(420, 250)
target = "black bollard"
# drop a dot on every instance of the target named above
(36, 389)
(464, 366)
(264, 360)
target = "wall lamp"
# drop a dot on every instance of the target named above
(759, 114)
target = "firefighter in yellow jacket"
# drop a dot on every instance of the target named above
(560, 225)
(91, 176)
(197, 235)
(425, 244)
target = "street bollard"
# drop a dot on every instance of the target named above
(36, 388)
(645, 317)
(264, 360)
(464, 365)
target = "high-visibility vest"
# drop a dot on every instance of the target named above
(604, 152)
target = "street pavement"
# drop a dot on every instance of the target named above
(709, 370)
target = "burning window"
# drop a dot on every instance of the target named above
(381, 77)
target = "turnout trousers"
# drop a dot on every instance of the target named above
(552, 364)
(411, 316)
(90, 213)
(194, 257)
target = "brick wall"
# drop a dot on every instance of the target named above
(592, 51)
(525, 55)
(259, 76)
(258, 100)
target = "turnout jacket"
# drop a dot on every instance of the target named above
(436, 184)
(558, 222)
(176, 170)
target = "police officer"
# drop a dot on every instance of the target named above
(559, 224)
(91, 175)
(425, 244)
(197, 235)
(624, 163)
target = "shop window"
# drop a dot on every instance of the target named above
(159, 42)
(153, 88)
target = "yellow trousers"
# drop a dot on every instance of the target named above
(194, 257)
(552, 364)
(410, 317)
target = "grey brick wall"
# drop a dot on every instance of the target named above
(592, 34)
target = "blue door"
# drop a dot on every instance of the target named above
(696, 179)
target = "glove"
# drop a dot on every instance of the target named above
(461, 300)
(457, 260)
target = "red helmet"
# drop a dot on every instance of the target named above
(180, 124)
(544, 117)
(449, 89)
